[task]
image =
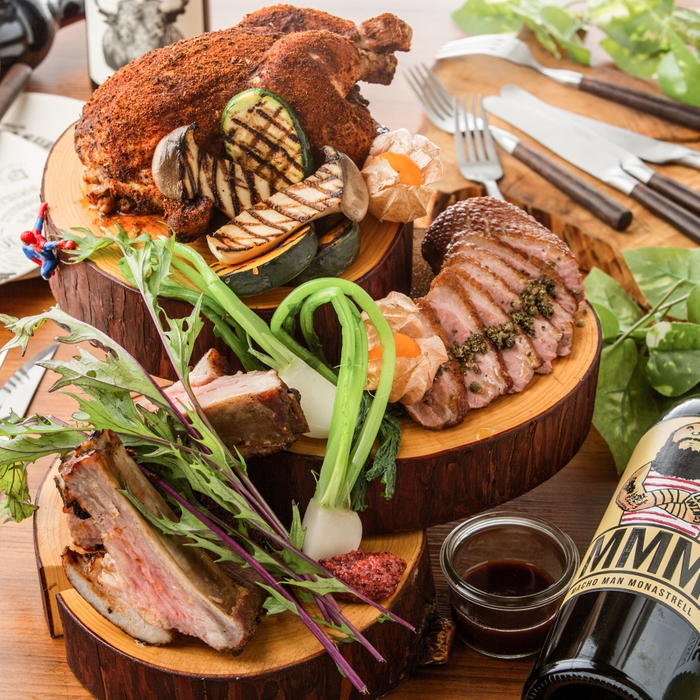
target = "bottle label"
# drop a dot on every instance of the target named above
(649, 539)
(118, 31)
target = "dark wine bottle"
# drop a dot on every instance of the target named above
(119, 31)
(629, 627)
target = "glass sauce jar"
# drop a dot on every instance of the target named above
(507, 574)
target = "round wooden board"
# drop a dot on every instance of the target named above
(496, 454)
(96, 292)
(283, 660)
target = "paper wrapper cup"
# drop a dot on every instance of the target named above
(413, 376)
(389, 200)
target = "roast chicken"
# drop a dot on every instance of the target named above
(310, 58)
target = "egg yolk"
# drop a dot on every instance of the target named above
(408, 170)
(405, 347)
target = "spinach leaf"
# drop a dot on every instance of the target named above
(657, 270)
(694, 305)
(484, 17)
(609, 323)
(674, 357)
(603, 290)
(679, 72)
(624, 407)
(640, 65)
(646, 38)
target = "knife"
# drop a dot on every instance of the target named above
(685, 196)
(598, 203)
(18, 391)
(645, 147)
(588, 152)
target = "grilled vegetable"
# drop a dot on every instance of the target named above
(337, 250)
(262, 134)
(183, 172)
(272, 269)
(336, 186)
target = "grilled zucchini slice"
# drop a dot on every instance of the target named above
(274, 268)
(181, 171)
(337, 250)
(263, 134)
(337, 186)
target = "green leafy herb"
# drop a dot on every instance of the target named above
(657, 270)
(648, 39)
(645, 358)
(180, 453)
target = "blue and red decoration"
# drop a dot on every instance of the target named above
(41, 251)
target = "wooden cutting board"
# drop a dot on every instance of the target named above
(486, 76)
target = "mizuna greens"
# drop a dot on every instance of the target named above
(648, 39)
(649, 360)
(180, 453)
(304, 369)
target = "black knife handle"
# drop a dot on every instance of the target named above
(599, 204)
(678, 192)
(671, 213)
(671, 111)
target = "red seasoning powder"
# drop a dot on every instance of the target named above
(375, 574)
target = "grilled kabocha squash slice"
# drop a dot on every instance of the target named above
(337, 186)
(181, 171)
(274, 268)
(263, 134)
(338, 248)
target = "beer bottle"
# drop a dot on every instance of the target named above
(630, 624)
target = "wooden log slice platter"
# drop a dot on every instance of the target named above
(282, 661)
(496, 454)
(95, 291)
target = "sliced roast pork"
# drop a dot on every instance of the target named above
(518, 354)
(482, 367)
(539, 287)
(544, 336)
(446, 403)
(253, 412)
(531, 267)
(150, 585)
(507, 223)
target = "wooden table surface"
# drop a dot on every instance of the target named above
(32, 665)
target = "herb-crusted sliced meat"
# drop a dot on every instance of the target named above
(544, 336)
(510, 225)
(446, 402)
(482, 368)
(541, 288)
(519, 356)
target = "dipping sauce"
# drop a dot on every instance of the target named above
(507, 575)
(486, 631)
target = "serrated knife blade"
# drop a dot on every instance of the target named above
(587, 151)
(18, 391)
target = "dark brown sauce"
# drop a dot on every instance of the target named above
(505, 632)
(508, 578)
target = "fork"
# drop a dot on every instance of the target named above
(439, 107)
(479, 162)
(514, 50)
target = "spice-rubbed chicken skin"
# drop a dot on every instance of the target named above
(310, 58)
